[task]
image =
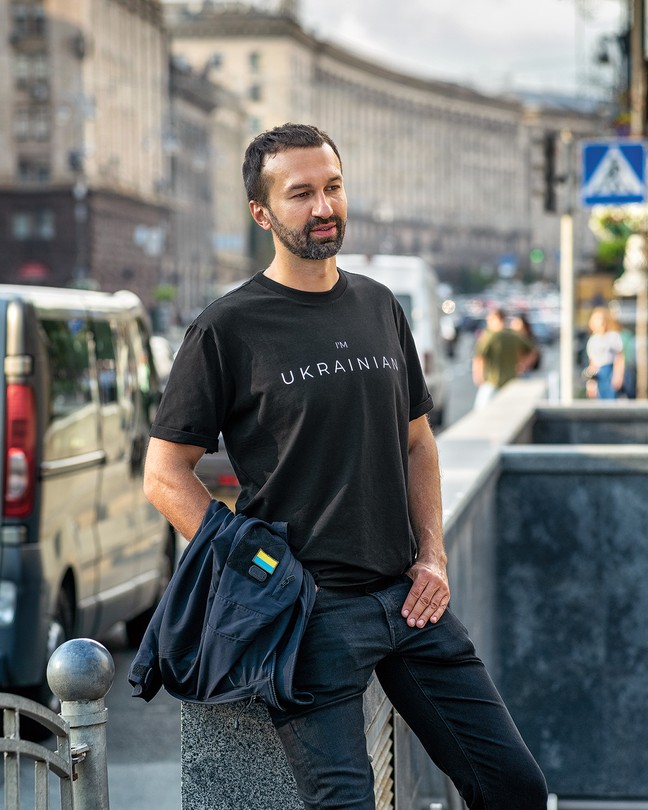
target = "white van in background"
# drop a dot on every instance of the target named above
(80, 546)
(414, 284)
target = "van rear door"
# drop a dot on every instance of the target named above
(72, 458)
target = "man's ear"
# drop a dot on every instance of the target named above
(260, 215)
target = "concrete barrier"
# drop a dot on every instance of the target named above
(547, 535)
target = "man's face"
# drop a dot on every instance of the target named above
(494, 322)
(306, 205)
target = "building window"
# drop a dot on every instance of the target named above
(32, 172)
(21, 69)
(40, 124)
(255, 61)
(40, 66)
(38, 224)
(44, 224)
(39, 20)
(31, 70)
(20, 15)
(28, 20)
(21, 124)
(32, 124)
(255, 92)
(21, 223)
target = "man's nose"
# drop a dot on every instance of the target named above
(321, 206)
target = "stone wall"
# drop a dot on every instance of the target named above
(571, 635)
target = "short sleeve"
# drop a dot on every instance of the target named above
(197, 393)
(419, 396)
(616, 342)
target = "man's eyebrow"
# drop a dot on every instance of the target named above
(300, 186)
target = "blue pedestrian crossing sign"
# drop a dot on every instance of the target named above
(613, 172)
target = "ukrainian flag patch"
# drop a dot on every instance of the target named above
(265, 561)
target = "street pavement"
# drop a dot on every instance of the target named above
(143, 741)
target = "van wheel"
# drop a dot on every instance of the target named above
(60, 630)
(136, 627)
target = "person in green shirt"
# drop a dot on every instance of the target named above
(501, 354)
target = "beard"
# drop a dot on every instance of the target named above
(302, 244)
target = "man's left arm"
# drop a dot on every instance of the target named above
(430, 592)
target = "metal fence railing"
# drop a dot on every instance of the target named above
(15, 710)
(80, 673)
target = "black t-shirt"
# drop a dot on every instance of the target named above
(313, 393)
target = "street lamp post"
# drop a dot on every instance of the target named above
(637, 69)
(638, 83)
(567, 279)
(80, 195)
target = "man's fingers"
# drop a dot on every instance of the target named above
(438, 611)
(424, 605)
(432, 613)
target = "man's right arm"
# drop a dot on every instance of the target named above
(478, 360)
(173, 487)
(478, 369)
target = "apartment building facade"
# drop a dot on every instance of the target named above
(115, 173)
(430, 167)
(83, 171)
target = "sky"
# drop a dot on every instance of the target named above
(495, 46)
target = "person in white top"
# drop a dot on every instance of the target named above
(606, 364)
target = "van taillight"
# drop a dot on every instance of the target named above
(20, 451)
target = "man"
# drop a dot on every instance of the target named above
(501, 354)
(312, 376)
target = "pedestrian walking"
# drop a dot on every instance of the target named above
(500, 356)
(522, 325)
(629, 388)
(605, 354)
(312, 376)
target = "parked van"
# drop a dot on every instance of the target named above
(80, 546)
(414, 284)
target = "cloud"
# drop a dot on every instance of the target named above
(479, 41)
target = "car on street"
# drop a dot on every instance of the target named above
(80, 546)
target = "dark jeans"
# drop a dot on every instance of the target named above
(436, 682)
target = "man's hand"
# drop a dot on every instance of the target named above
(429, 595)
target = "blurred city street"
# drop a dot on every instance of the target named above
(487, 170)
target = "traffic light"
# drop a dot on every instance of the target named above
(549, 150)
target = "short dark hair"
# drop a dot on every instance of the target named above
(287, 136)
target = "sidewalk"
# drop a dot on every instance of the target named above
(143, 744)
